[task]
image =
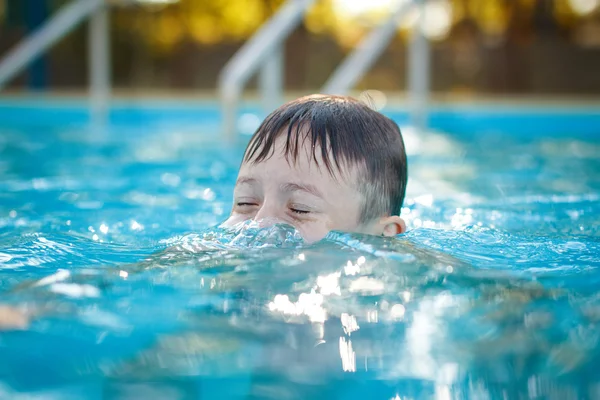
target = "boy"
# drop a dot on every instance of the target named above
(323, 163)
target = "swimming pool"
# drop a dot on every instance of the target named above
(106, 246)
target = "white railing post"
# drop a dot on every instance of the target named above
(251, 56)
(99, 63)
(356, 65)
(43, 38)
(419, 72)
(271, 80)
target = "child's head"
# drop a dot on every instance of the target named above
(323, 163)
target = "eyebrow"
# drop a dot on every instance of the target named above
(286, 187)
(298, 187)
(245, 181)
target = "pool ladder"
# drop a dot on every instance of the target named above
(66, 19)
(264, 51)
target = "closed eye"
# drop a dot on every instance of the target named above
(242, 204)
(297, 211)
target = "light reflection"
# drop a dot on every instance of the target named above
(157, 1)
(424, 200)
(319, 330)
(104, 228)
(584, 7)
(347, 355)
(197, 193)
(424, 332)
(437, 19)
(442, 392)
(329, 284)
(75, 290)
(136, 226)
(60, 275)
(367, 286)
(208, 195)
(309, 304)
(349, 323)
(412, 140)
(419, 340)
(372, 316)
(397, 312)
(462, 218)
(355, 8)
(351, 269)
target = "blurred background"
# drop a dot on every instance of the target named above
(479, 48)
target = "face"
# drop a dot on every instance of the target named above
(301, 194)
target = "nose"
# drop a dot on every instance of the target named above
(267, 216)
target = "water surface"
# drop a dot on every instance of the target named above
(110, 250)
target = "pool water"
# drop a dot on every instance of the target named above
(121, 284)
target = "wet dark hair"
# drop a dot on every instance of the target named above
(348, 133)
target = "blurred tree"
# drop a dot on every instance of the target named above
(184, 43)
(209, 22)
(206, 22)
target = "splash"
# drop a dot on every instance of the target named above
(244, 235)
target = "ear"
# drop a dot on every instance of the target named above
(392, 226)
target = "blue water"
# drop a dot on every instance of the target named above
(119, 283)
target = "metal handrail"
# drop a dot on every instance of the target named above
(419, 61)
(68, 18)
(356, 65)
(254, 54)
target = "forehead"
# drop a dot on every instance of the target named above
(309, 163)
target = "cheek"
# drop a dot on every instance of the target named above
(313, 232)
(345, 217)
(235, 219)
